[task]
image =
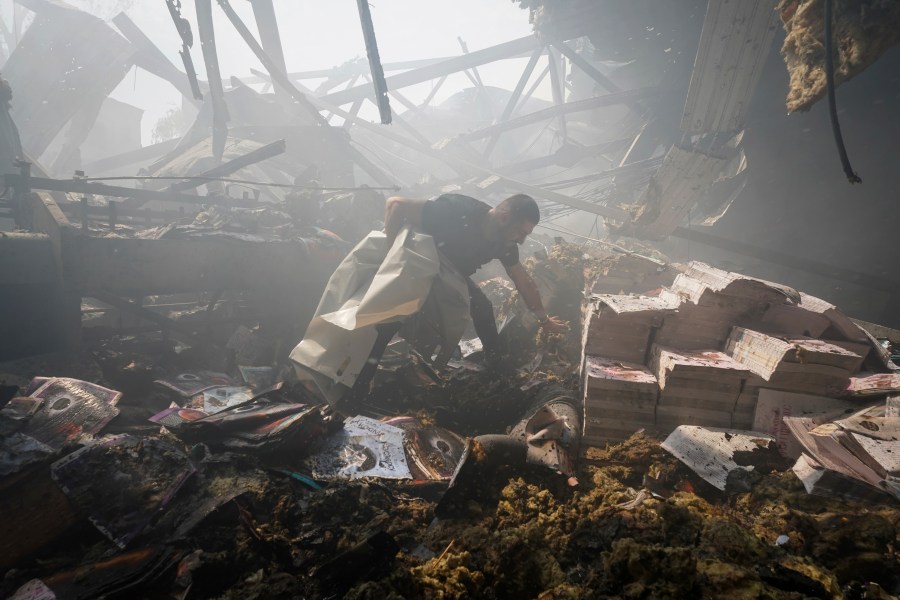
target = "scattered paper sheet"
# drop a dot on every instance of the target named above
(774, 405)
(709, 451)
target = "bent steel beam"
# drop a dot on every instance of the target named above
(453, 65)
(566, 108)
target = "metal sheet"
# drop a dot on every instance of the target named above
(681, 180)
(737, 36)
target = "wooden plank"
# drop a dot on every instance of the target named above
(879, 331)
(235, 164)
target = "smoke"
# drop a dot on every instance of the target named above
(105, 9)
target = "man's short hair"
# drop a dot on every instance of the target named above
(521, 207)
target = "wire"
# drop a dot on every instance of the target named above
(227, 180)
(584, 237)
(852, 177)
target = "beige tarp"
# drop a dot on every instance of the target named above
(372, 286)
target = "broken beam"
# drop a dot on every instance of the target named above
(569, 107)
(216, 92)
(514, 98)
(269, 36)
(557, 87)
(143, 154)
(84, 187)
(279, 77)
(509, 49)
(229, 167)
(381, 90)
(151, 59)
(461, 165)
(604, 81)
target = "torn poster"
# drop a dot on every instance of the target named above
(363, 448)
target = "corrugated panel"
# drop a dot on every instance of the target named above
(737, 36)
(684, 176)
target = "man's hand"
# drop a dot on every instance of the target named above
(400, 211)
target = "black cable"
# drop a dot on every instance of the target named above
(852, 177)
(228, 180)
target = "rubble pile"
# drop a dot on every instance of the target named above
(863, 31)
(169, 476)
(177, 449)
(640, 525)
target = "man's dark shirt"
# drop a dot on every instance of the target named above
(455, 222)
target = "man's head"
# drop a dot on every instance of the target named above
(517, 216)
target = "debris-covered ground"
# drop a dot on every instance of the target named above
(530, 536)
(200, 513)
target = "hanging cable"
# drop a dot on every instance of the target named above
(852, 177)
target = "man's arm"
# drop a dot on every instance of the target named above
(400, 211)
(532, 297)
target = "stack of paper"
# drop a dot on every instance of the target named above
(619, 399)
(696, 388)
(800, 365)
(713, 302)
(631, 273)
(618, 327)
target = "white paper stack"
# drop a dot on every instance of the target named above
(798, 365)
(631, 273)
(619, 399)
(618, 326)
(713, 301)
(696, 388)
